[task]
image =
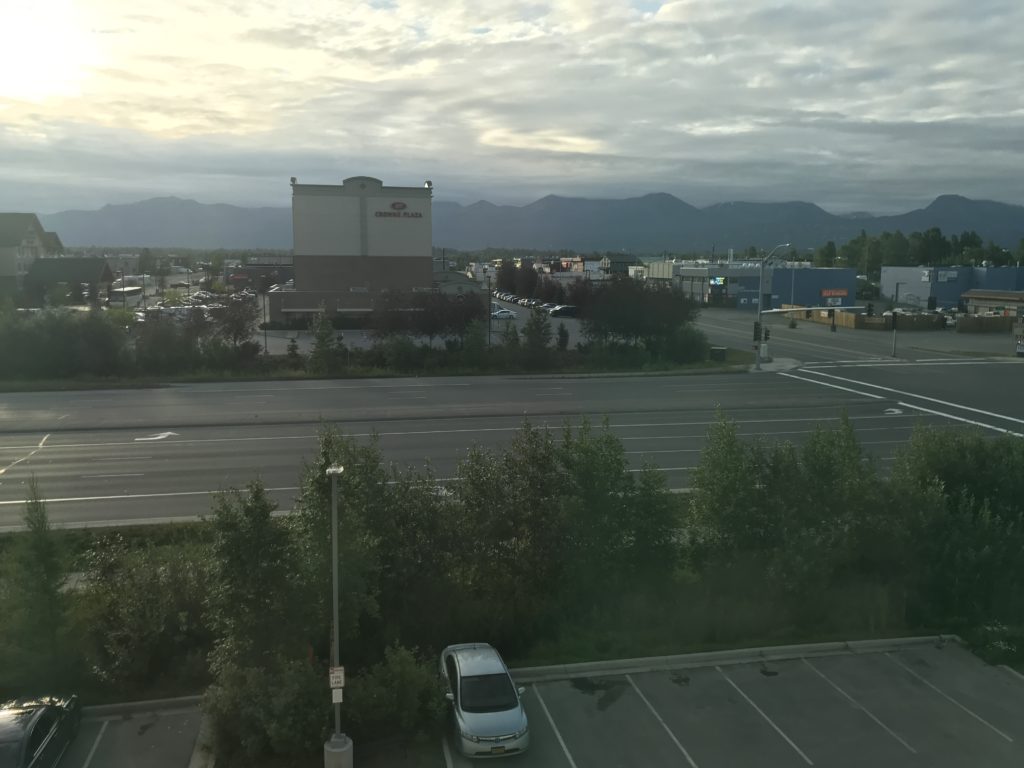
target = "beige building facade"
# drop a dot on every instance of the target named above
(354, 240)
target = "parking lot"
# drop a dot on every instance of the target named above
(161, 738)
(929, 704)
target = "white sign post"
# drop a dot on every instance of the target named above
(337, 677)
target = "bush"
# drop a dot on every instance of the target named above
(142, 615)
(280, 708)
(401, 694)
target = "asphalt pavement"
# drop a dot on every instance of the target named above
(914, 703)
(112, 456)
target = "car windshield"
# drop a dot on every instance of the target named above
(487, 693)
(8, 754)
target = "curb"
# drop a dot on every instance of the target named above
(134, 707)
(202, 752)
(712, 658)
(1012, 671)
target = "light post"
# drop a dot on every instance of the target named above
(338, 748)
(760, 303)
(489, 304)
(895, 302)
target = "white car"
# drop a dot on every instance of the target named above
(487, 710)
(503, 314)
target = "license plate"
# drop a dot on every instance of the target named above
(497, 750)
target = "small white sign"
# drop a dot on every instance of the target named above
(336, 695)
(337, 677)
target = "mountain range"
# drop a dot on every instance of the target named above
(650, 224)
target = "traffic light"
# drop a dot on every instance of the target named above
(757, 330)
(767, 332)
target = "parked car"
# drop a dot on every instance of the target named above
(503, 314)
(487, 711)
(548, 307)
(563, 310)
(35, 733)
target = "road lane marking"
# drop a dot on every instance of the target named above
(126, 474)
(95, 744)
(972, 422)
(663, 724)
(26, 458)
(833, 386)
(860, 706)
(637, 425)
(921, 397)
(949, 698)
(554, 727)
(761, 712)
(123, 496)
(120, 458)
(447, 754)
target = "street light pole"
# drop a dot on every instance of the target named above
(760, 303)
(337, 749)
(895, 302)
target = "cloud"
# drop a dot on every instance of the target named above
(879, 106)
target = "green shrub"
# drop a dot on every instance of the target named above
(401, 694)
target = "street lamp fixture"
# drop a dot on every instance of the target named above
(760, 302)
(338, 748)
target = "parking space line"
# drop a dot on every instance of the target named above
(950, 699)
(95, 744)
(446, 752)
(861, 707)
(761, 712)
(663, 724)
(551, 720)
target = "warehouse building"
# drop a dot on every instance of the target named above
(736, 284)
(353, 241)
(937, 287)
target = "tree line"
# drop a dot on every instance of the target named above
(869, 253)
(553, 548)
(625, 325)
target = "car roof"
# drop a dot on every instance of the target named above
(476, 659)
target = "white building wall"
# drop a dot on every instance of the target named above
(325, 225)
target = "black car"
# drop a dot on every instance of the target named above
(35, 733)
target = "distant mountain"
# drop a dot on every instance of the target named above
(649, 224)
(170, 222)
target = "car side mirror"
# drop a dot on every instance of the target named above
(521, 689)
(450, 696)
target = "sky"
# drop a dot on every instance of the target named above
(874, 105)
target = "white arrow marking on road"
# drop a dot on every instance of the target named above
(158, 436)
(893, 412)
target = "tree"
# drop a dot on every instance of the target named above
(526, 280)
(826, 255)
(294, 356)
(537, 336)
(626, 310)
(254, 602)
(563, 337)
(322, 358)
(236, 323)
(895, 249)
(505, 280)
(32, 632)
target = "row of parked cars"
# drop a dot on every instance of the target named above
(555, 310)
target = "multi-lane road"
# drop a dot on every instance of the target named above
(110, 456)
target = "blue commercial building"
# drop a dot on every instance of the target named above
(737, 284)
(946, 285)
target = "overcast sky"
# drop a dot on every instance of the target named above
(857, 105)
